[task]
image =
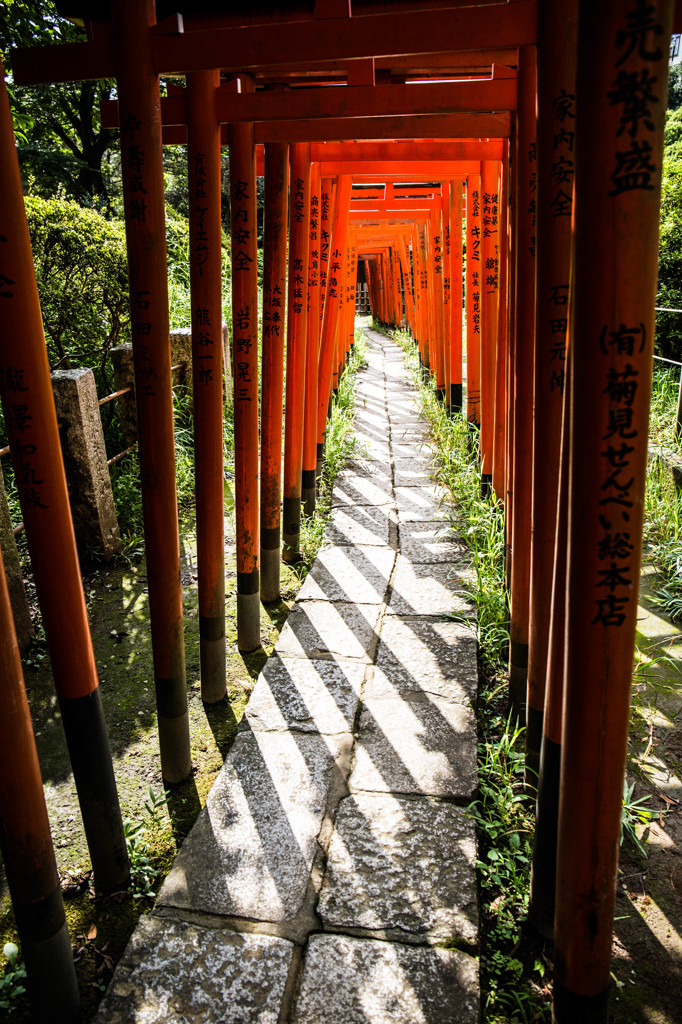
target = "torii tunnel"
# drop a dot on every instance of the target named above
(495, 168)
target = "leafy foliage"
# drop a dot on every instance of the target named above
(669, 325)
(82, 275)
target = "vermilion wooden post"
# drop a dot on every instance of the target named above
(543, 877)
(203, 160)
(435, 286)
(142, 171)
(474, 304)
(557, 27)
(245, 347)
(407, 283)
(31, 423)
(501, 396)
(490, 293)
(426, 341)
(331, 306)
(26, 841)
(312, 348)
(456, 295)
(511, 363)
(619, 152)
(523, 384)
(297, 326)
(274, 292)
(327, 200)
(446, 265)
(337, 267)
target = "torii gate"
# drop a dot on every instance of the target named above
(591, 138)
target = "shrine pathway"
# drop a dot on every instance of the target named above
(330, 878)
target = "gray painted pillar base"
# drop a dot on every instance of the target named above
(85, 462)
(124, 377)
(15, 583)
(176, 765)
(213, 662)
(270, 574)
(248, 622)
(52, 985)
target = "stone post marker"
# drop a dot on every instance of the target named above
(85, 461)
(124, 377)
(15, 583)
(181, 352)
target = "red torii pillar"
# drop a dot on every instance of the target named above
(312, 348)
(245, 346)
(31, 425)
(456, 295)
(490, 292)
(142, 171)
(297, 327)
(523, 382)
(203, 169)
(473, 298)
(619, 154)
(274, 290)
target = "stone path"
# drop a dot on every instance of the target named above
(330, 878)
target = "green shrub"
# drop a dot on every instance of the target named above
(82, 274)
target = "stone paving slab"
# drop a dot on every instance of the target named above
(361, 489)
(173, 972)
(357, 981)
(308, 696)
(403, 868)
(426, 655)
(412, 472)
(430, 542)
(425, 746)
(421, 504)
(366, 524)
(423, 589)
(250, 852)
(359, 574)
(320, 627)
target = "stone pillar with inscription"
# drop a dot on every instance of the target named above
(621, 89)
(85, 462)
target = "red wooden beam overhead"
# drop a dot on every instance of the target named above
(428, 126)
(390, 34)
(384, 170)
(438, 149)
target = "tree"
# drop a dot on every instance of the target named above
(61, 140)
(669, 325)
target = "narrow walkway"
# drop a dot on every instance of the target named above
(330, 878)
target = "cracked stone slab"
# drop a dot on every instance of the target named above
(401, 450)
(251, 850)
(405, 432)
(401, 868)
(308, 696)
(426, 655)
(374, 468)
(376, 450)
(358, 574)
(349, 981)
(413, 472)
(425, 746)
(362, 489)
(419, 504)
(430, 542)
(182, 973)
(321, 627)
(423, 589)
(366, 524)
